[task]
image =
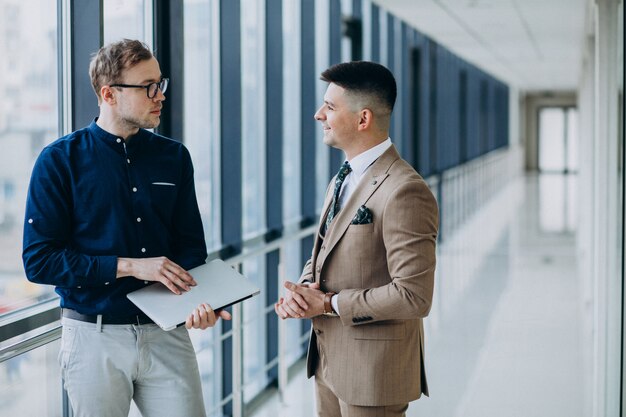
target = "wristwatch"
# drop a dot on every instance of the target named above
(328, 306)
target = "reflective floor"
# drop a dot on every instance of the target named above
(509, 332)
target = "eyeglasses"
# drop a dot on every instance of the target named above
(151, 89)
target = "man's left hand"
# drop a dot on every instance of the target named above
(204, 316)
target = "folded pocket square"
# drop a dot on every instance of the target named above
(363, 216)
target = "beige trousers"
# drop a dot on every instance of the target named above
(329, 405)
(103, 370)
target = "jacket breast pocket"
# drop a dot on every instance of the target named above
(380, 331)
(360, 229)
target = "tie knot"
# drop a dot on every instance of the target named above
(344, 171)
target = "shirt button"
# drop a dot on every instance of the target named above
(134, 189)
(143, 250)
(106, 283)
(128, 160)
(145, 282)
(30, 221)
(119, 140)
(79, 287)
(138, 219)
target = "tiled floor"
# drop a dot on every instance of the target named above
(507, 335)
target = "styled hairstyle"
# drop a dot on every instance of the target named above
(111, 60)
(368, 83)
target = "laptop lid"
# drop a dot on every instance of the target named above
(219, 285)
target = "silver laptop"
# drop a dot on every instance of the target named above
(219, 285)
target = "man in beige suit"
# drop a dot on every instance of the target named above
(369, 282)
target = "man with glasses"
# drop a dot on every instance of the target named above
(112, 208)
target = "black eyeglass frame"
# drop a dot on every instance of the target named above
(161, 85)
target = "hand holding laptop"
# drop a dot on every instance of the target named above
(160, 269)
(204, 316)
(217, 286)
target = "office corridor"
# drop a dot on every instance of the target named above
(509, 331)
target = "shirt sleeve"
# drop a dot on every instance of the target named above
(47, 253)
(189, 242)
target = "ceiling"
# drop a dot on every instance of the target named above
(534, 45)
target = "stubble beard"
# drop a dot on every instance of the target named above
(145, 123)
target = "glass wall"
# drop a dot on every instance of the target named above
(201, 93)
(127, 19)
(30, 384)
(291, 155)
(29, 120)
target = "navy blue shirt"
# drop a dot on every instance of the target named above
(93, 198)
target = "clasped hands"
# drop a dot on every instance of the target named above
(300, 301)
(177, 280)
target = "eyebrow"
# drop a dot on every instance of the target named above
(330, 103)
(152, 80)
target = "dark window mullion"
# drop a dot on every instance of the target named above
(87, 35)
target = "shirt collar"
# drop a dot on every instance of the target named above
(112, 139)
(362, 161)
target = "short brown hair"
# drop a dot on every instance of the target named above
(111, 60)
(364, 78)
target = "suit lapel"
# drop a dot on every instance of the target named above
(372, 179)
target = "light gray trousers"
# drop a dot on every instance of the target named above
(104, 368)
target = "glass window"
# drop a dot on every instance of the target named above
(572, 139)
(551, 139)
(322, 153)
(254, 332)
(128, 19)
(37, 370)
(291, 157)
(253, 116)
(28, 122)
(201, 115)
(291, 112)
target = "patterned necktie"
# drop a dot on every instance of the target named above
(334, 204)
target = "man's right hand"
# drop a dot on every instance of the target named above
(293, 304)
(158, 269)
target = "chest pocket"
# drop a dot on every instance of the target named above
(163, 198)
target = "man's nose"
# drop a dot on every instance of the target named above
(159, 95)
(318, 115)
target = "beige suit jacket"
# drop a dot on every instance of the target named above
(373, 354)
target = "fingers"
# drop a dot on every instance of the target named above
(163, 270)
(301, 303)
(281, 311)
(175, 277)
(202, 317)
(225, 315)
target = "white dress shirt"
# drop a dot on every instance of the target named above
(359, 165)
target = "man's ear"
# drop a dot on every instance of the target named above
(366, 118)
(108, 94)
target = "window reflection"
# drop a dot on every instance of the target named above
(28, 122)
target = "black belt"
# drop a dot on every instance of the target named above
(136, 319)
